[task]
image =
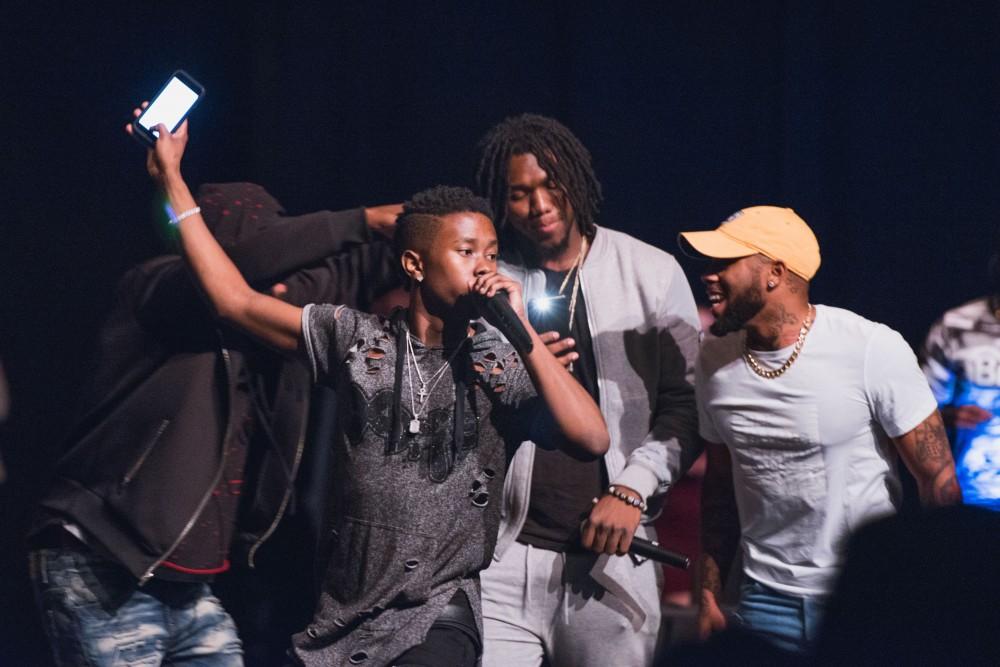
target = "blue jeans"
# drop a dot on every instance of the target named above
(95, 614)
(788, 621)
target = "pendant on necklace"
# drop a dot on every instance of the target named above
(414, 426)
(422, 393)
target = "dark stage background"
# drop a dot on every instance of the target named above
(875, 121)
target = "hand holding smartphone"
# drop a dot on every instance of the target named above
(170, 106)
(550, 313)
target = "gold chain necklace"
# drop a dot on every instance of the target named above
(768, 373)
(575, 272)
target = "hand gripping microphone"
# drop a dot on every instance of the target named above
(653, 551)
(500, 314)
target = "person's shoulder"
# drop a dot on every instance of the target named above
(845, 322)
(486, 339)
(856, 332)
(646, 263)
(367, 321)
(626, 243)
(968, 315)
(513, 265)
(345, 315)
(491, 356)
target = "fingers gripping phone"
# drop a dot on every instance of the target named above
(170, 106)
(550, 313)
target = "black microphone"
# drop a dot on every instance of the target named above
(500, 314)
(653, 551)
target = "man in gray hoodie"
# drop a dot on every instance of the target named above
(622, 316)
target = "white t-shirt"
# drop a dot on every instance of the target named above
(811, 454)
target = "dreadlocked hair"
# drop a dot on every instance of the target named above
(558, 152)
(421, 216)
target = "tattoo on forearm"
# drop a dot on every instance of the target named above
(932, 464)
(948, 492)
(931, 442)
(709, 573)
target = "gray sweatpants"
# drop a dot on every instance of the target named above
(538, 602)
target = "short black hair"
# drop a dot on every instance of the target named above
(421, 216)
(558, 152)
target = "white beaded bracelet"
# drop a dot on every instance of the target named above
(186, 214)
(630, 500)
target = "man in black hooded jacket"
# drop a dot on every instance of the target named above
(188, 440)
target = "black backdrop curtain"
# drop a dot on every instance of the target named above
(874, 120)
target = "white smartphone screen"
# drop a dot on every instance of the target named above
(169, 107)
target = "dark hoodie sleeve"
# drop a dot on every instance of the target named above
(292, 243)
(263, 249)
(252, 227)
(355, 277)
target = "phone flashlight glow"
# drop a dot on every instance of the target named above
(169, 107)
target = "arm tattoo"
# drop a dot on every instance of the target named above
(931, 443)
(710, 579)
(948, 492)
(928, 456)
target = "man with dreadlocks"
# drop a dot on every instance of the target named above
(421, 449)
(630, 336)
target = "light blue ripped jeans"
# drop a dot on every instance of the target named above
(95, 614)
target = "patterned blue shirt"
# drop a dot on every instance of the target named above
(961, 359)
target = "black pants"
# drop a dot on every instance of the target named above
(453, 640)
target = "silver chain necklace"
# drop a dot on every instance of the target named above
(425, 390)
(769, 373)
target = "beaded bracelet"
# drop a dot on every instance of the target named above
(625, 498)
(186, 214)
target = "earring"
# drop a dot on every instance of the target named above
(770, 284)
(419, 277)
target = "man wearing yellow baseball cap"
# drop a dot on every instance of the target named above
(777, 239)
(800, 407)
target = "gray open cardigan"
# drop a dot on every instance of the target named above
(645, 331)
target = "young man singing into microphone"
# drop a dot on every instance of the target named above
(421, 451)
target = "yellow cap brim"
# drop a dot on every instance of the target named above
(716, 245)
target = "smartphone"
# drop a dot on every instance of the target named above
(550, 313)
(170, 106)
